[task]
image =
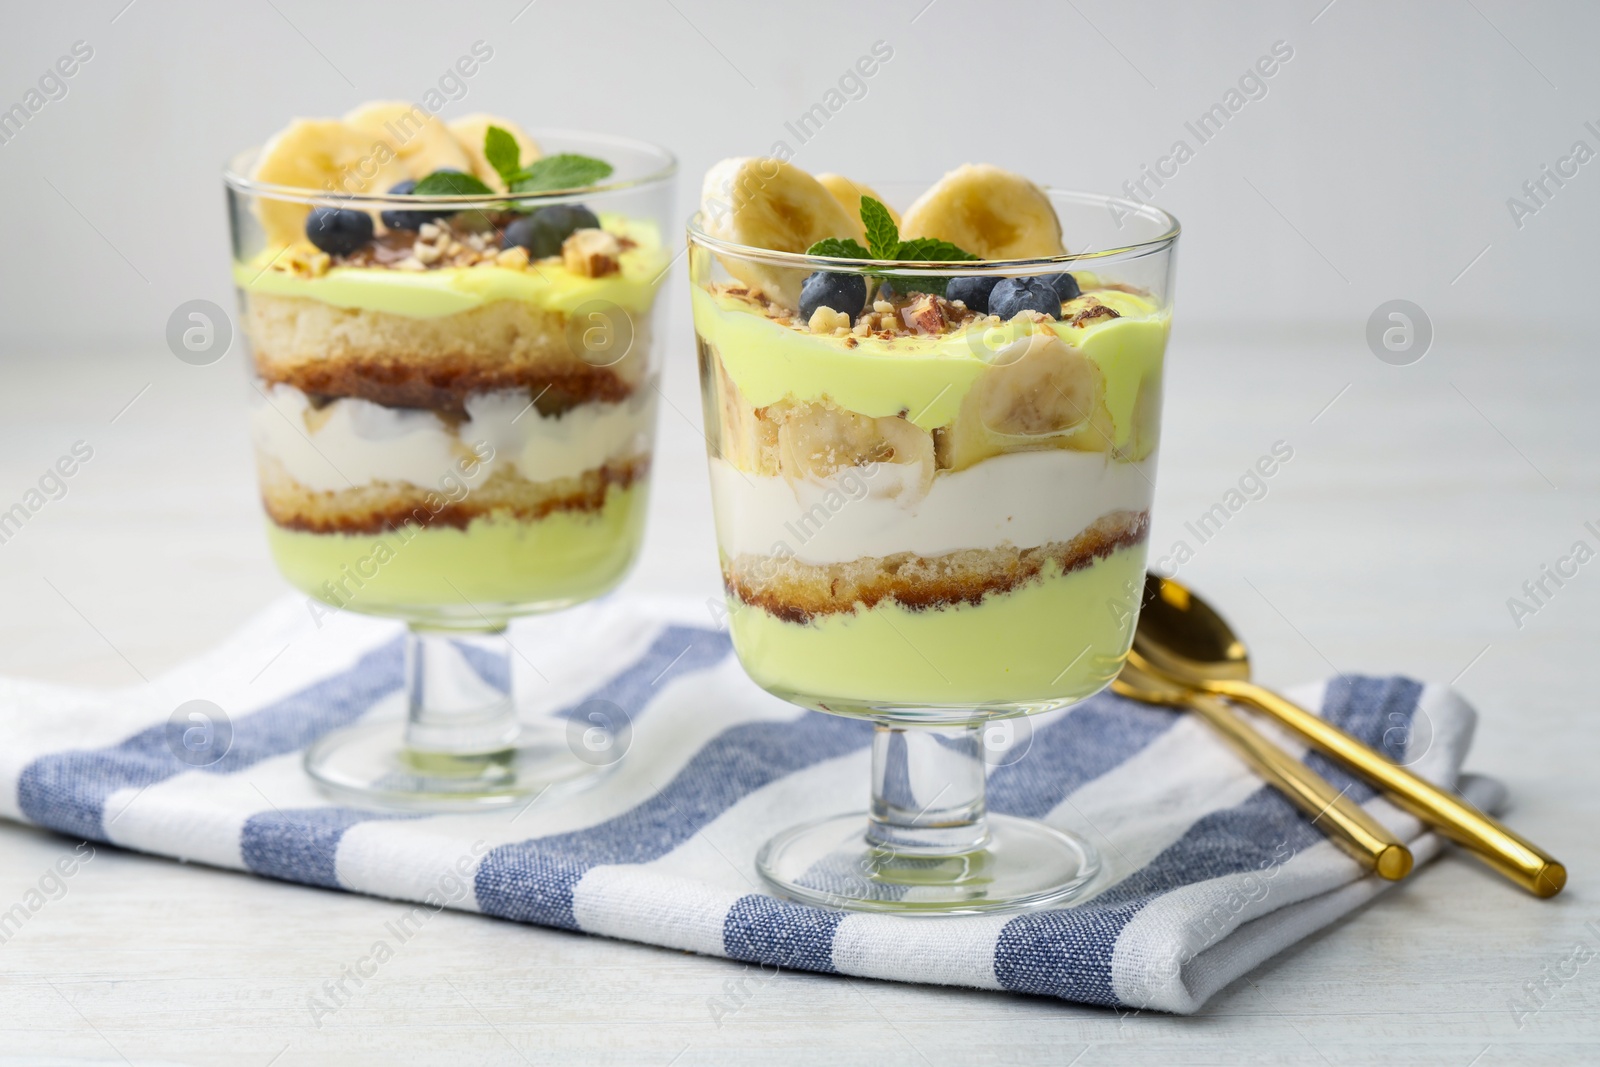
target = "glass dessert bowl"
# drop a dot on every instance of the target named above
(450, 336)
(932, 446)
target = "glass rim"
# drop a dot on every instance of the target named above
(235, 179)
(1169, 223)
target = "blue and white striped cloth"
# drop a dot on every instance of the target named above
(1206, 872)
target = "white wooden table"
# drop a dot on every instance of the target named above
(1412, 509)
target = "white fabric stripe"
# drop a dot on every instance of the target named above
(200, 817)
(1131, 813)
(1161, 943)
(623, 900)
(1149, 946)
(241, 676)
(673, 730)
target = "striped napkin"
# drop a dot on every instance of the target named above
(1206, 871)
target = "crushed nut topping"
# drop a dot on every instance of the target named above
(592, 253)
(827, 320)
(908, 315)
(1090, 314)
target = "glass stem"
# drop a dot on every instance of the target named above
(458, 692)
(928, 790)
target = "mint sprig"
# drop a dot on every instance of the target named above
(451, 183)
(883, 242)
(500, 148)
(565, 170)
(931, 250)
(839, 248)
(883, 236)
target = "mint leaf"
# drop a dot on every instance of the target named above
(839, 248)
(559, 172)
(932, 250)
(503, 153)
(883, 236)
(451, 183)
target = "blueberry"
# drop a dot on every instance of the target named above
(1065, 285)
(841, 292)
(973, 291)
(338, 231)
(408, 220)
(1012, 295)
(542, 232)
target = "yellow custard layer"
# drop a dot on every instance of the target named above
(923, 378)
(449, 290)
(1050, 642)
(491, 566)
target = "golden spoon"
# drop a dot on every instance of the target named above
(1347, 823)
(1182, 638)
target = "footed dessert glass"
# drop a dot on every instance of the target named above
(934, 520)
(454, 430)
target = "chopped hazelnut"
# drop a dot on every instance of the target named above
(924, 316)
(591, 253)
(1090, 314)
(515, 257)
(827, 320)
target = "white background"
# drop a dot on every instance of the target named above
(1378, 164)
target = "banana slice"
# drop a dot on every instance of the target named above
(423, 143)
(817, 441)
(849, 194)
(322, 154)
(992, 213)
(1042, 393)
(468, 130)
(767, 203)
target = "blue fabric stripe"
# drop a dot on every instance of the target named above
(1068, 953)
(301, 844)
(1090, 740)
(67, 791)
(1377, 710)
(493, 667)
(677, 651)
(533, 880)
(764, 930)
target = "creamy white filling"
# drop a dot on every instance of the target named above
(1024, 499)
(351, 442)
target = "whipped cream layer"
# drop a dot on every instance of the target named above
(1024, 499)
(351, 442)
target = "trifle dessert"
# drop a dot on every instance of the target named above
(931, 489)
(449, 328)
(454, 386)
(932, 431)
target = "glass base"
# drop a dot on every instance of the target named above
(370, 766)
(1025, 864)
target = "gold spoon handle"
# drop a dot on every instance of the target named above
(1346, 823)
(1518, 859)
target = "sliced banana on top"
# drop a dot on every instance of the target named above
(468, 131)
(849, 194)
(767, 203)
(321, 154)
(992, 213)
(421, 141)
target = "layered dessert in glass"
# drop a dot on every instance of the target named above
(932, 445)
(450, 335)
